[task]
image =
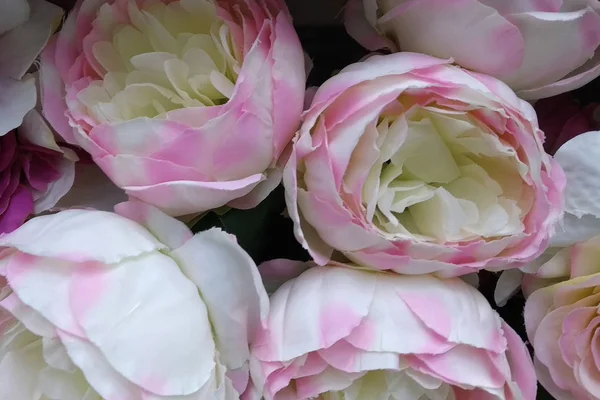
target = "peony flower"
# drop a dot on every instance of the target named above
(342, 333)
(563, 323)
(125, 306)
(539, 48)
(35, 172)
(407, 163)
(561, 118)
(187, 104)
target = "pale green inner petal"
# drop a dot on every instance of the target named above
(171, 56)
(393, 385)
(441, 177)
(42, 365)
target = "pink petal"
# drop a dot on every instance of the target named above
(462, 29)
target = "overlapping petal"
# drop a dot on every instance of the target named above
(195, 100)
(113, 312)
(406, 163)
(371, 335)
(540, 49)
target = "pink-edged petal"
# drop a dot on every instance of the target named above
(167, 229)
(452, 298)
(230, 285)
(320, 317)
(521, 365)
(462, 29)
(97, 371)
(186, 197)
(555, 45)
(74, 235)
(20, 47)
(304, 233)
(518, 6)
(16, 99)
(91, 189)
(117, 308)
(374, 67)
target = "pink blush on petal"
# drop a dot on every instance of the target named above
(335, 321)
(87, 288)
(429, 310)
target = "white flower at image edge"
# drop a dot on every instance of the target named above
(125, 306)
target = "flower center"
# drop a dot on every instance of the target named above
(443, 176)
(156, 57)
(393, 385)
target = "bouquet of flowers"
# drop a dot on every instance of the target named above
(289, 200)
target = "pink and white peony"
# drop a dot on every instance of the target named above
(187, 104)
(340, 333)
(563, 321)
(539, 48)
(35, 171)
(126, 305)
(405, 162)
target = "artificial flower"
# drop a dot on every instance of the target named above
(539, 48)
(35, 172)
(563, 323)
(405, 162)
(341, 333)
(187, 105)
(126, 305)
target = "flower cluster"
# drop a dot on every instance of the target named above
(147, 254)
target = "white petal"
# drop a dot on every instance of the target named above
(149, 322)
(20, 47)
(97, 371)
(29, 317)
(579, 159)
(231, 287)
(168, 230)
(573, 230)
(16, 99)
(56, 355)
(82, 235)
(507, 286)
